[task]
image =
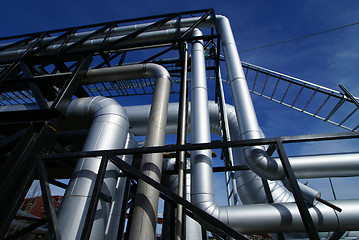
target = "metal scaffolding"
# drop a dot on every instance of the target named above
(53, 66)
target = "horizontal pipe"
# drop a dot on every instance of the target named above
(250, 153)
(256, 157)
(285, 217)
(311, 166)
(137, 114)
(324, 165)
(115, 32)
(9, 55)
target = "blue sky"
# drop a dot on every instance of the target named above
(328, 59)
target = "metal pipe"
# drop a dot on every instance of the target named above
(311, 166)
(202, 193)
(192, 229)
(116, 207)
(95, 43)
(324, 165)
(181, 139)
(279, 212)
(256, 157)
(160, 101)
(116, 32)
(108, 131)
(143, 225)
(249, 152)
(285, 217)
(171, 182)
(201, 161)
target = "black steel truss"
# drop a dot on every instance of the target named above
(190, 210)
(37, 77)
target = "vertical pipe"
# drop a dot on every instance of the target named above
(201, 160)
(108, 131)
(193, 228)
(170, 181)
(116, 207)
(256, 157)
(229, 194)
(144, 220)
(242, 101)
(181, 140)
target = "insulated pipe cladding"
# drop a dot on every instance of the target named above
(144, 219)
(347, 219)
(95, 43)
(256, 157)
(116, 207)
(108, 131)
(71, 218)
(281, 217)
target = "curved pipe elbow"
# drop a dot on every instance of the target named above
(96, 107)
(155, 71)
(146, 70)
(218, 212)
(262, 164)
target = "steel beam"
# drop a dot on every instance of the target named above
(211, 145)
(52, 223)
(302, 207)
(70, 87)
(90, 217)
(18, 171)
(136, 174)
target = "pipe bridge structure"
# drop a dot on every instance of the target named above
(125, 113)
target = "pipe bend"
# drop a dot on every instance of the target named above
(96, 107)
(156, 71)
(262, 164)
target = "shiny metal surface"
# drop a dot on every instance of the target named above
(116, 207)
(249, 218)
(285, 217)
(144, 217)
(201, 161)
(108, 131)
(87, 45)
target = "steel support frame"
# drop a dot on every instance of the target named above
(71, 85)
(96, 194)
(31, 58)
(168, 195)
(182, 137)
(18, 172)
(302, 206)
(211, 145)
(25, 230)
(68, 32)
(191, 210)
(121, 226)
(135, 174)
(35, 139)
(219, 144)
(51, 217)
